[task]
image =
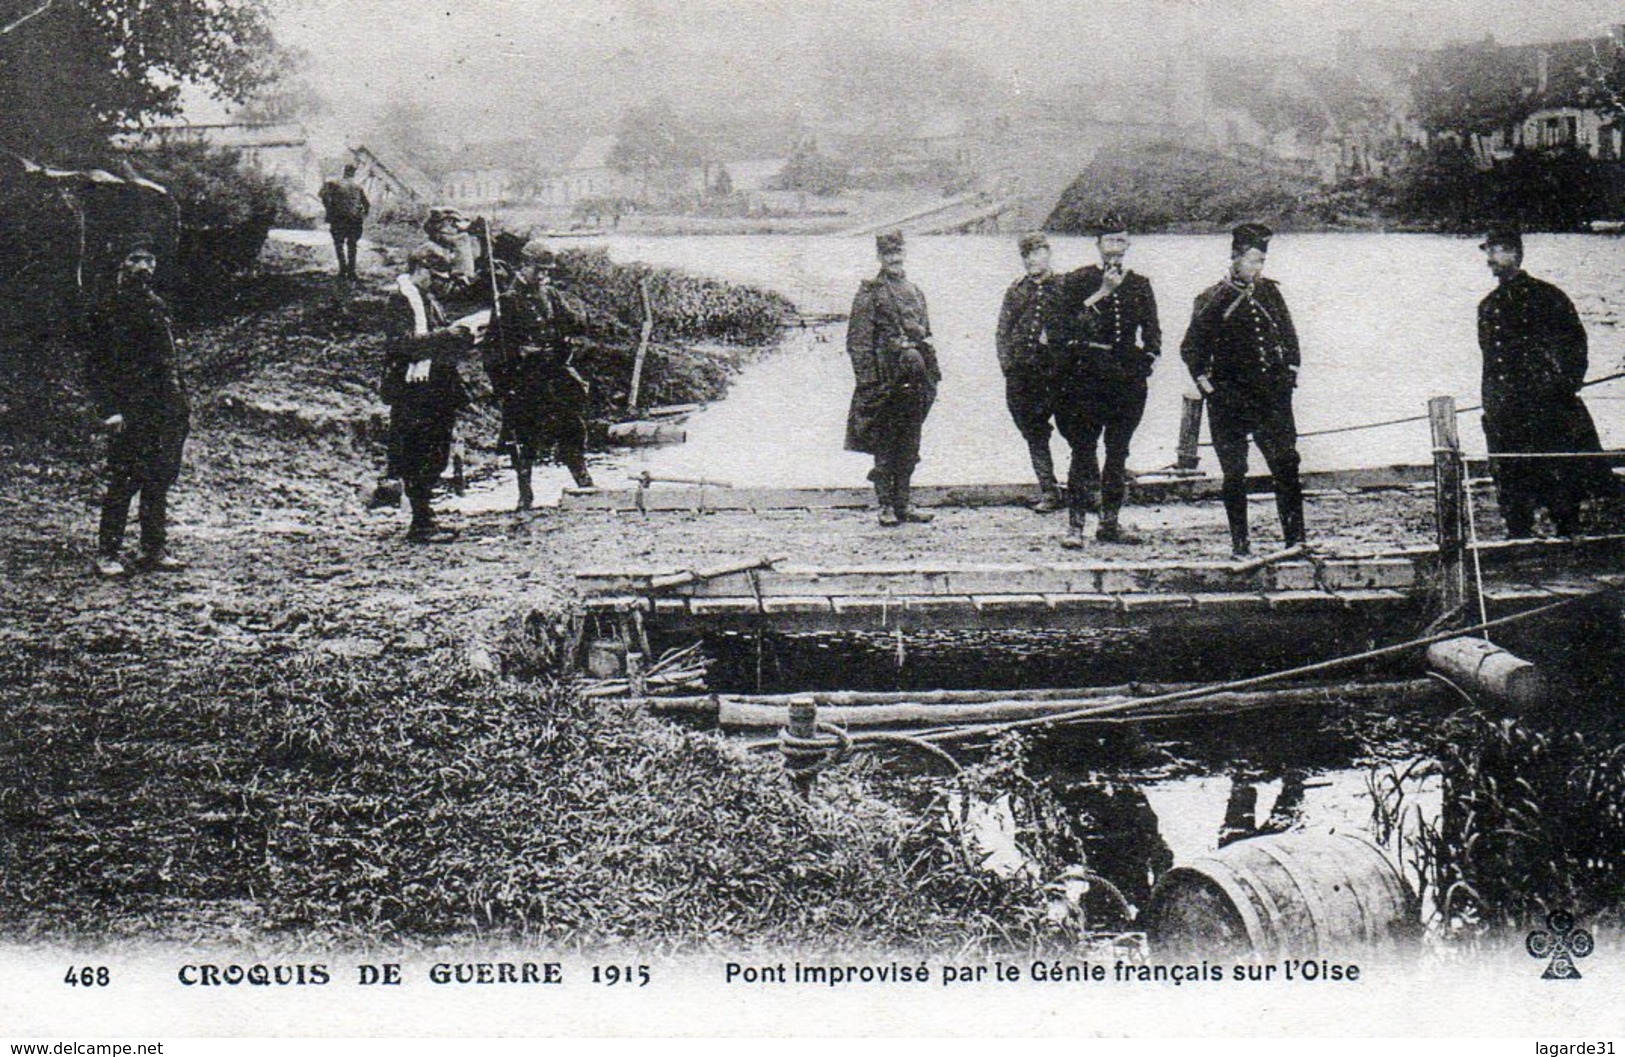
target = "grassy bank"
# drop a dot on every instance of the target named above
(323, 799)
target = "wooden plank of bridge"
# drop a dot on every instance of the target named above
(1146, 489)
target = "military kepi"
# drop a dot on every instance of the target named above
(1110, 224)
(1511, 238)
(889, 242)
(1250, 236)
(1033, 240)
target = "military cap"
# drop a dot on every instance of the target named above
(889, 242)
(1109, 224)
(441, 214)
(1511, 238)
(1250, 236)
(1033, 240)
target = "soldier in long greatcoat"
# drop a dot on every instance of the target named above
(888, 339)
(1534, 349)
(133, 378)
(528, 354)
(1242, 351)
(424, 390)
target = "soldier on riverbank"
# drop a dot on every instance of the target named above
(1242, 351)
(1029, 341)
(1534, 349)
(888, 338)
(1115, 341)
(424, 390)
(133, 377)
(346, 205)
(528, 355)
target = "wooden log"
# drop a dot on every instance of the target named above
(734, 714)
(1447, 503)
(1297, 550)
(1480, 666)
(642, 434)
(706, 704)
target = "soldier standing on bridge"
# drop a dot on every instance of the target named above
(888, 338)
(1242, 351)
(1029, 343)
(1534, 349)
(1114, 344)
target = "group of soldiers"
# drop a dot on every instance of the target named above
(1077, 349)
(525, 327)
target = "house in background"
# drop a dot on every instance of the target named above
(396, 185)
(1559, 110)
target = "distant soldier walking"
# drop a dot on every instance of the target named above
(1242, 351)
(1029, 343)
(1115, 341)
(345, 202)
(132, 376)
(1534, 349)
(888, 339)
(528, 355)
(425, 392)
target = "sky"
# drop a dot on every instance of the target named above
(477, 64)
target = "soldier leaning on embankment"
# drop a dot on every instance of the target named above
(528, 355)
(424, 391)
(1029, 341)
(1114, 341)
(133, 378)
(1242, 351)
(1534, 349)
(888, 338)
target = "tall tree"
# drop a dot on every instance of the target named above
(1470, 89)
(74, 71)
(652, 138)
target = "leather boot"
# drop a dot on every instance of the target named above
(1112, 531)
(1049, 498)
(527, 495)
(1289, 505)
(1235, 512)
(887, 515)
(900, 501)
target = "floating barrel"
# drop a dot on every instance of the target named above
(1480, 665)
(1289, 894)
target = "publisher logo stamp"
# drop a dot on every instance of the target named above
(1562, 943)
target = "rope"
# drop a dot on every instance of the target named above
(1417, 418)
(944, 734)
(808, 756)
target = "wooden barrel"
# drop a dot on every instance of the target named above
(1283, 895)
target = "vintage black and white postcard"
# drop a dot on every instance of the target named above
(638, 517)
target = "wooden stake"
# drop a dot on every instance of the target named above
(1447, 502)
(643, 346)
(803, 723)
(1190, 434)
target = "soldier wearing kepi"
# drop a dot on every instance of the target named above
(424, 391)
(133, 378)
(1029, 341)
(1242, 351)
(1534, 365)
(528, 355)
(1114, 344)
(888, 338)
